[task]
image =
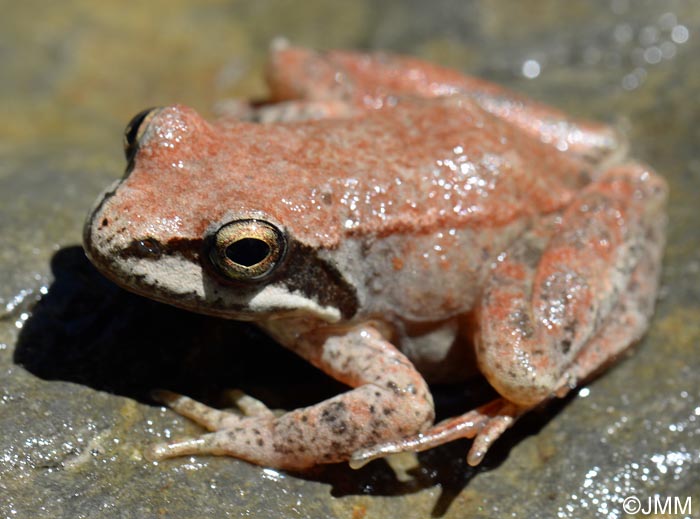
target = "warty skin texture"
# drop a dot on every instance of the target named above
(426, 218)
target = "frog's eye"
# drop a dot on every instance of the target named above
(134, 131)
(248, 250)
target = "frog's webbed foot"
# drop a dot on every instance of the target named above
(484, 424)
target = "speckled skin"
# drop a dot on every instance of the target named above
(428, 216)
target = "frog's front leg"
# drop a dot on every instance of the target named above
(389, 400)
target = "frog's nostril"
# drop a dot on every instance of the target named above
(248, 251)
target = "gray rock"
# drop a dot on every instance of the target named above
(76, 367)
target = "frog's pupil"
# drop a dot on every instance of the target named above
(248, 251)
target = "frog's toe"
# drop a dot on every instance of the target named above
(208, 417)
(240, 442)
(165, 397)
(485, 424)
(164, 450)
(248, 405)
(492, 429)
(256, 440)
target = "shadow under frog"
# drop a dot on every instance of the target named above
(89, 331)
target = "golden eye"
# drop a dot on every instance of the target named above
(247, 250)
(135, 130)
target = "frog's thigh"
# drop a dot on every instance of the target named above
(390, 400)
(552, 310)
(627, 321)
(625, 324)
(297, 73)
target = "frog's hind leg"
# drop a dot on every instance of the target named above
(626, 323)
(561, 305)
(369, 81)
(487, 423)
(551, 300)
(558, 310)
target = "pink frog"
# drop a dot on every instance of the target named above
(392, 222)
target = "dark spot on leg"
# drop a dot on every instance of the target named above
(281, 449)
(334, 414)
(377, 425)
(565, 345)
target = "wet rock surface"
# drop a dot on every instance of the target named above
(78, 356)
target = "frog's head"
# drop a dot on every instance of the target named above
(198, 221)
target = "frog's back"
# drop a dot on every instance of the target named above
(415, 168)
(429, 189)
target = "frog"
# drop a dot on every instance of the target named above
(395, 223)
